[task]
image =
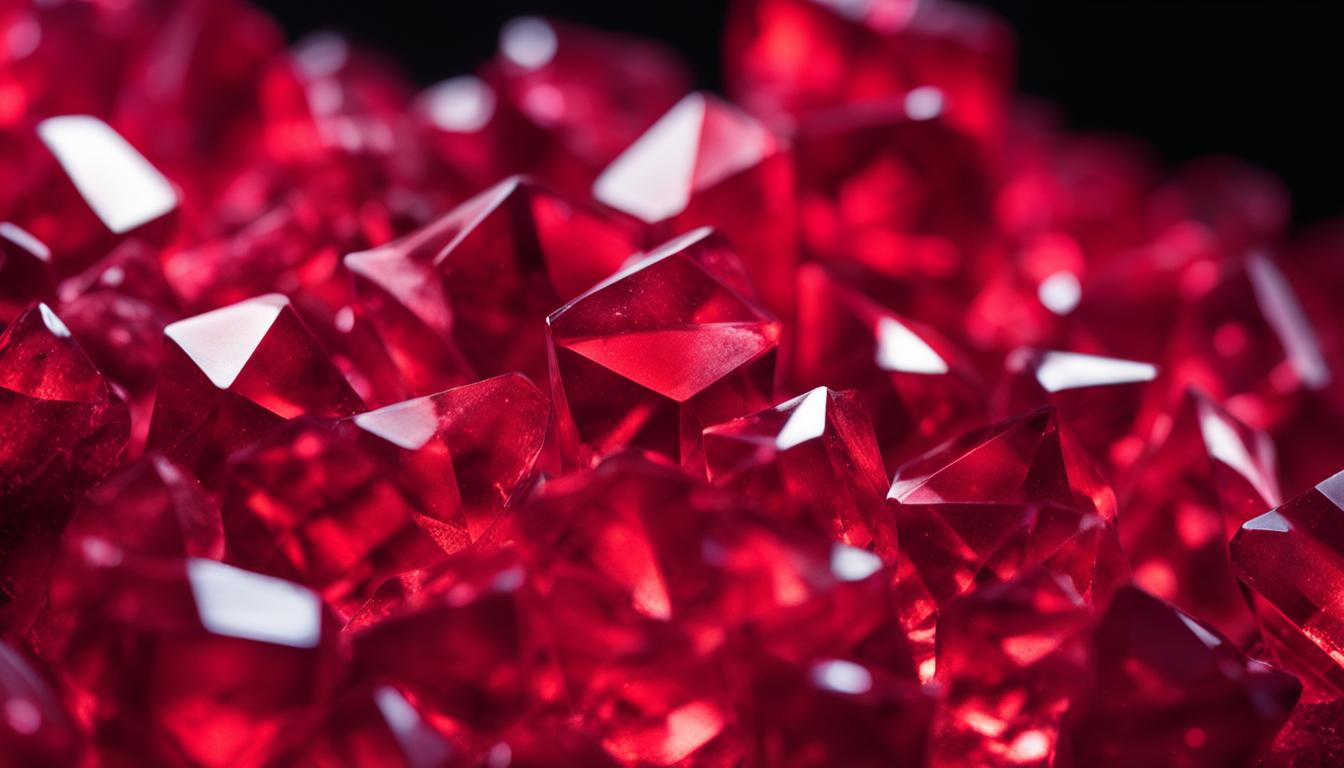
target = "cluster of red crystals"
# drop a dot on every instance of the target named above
(559, 414)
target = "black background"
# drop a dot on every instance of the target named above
(1261, 79)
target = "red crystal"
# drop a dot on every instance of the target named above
(1292, 558)
(1011, 657)
(64, 429)
(812, 460)
(229, 375)
(1203, 476)
(35, 729)
(705, 163)
(1166, 689)
(658, 352)
(25, 272)
(992, 503)
(376, 726)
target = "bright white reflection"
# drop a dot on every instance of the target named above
(238, 603)
(1205, 636)
(221, 341)
(1270, 521)
(53, 322)
(899, 349)
(321, 55)
(1333, 488)
(25, 240)
(1225, 445)
(924, 103)
(1059, 371)
(853, 564)
(1060, 292)
(807, 422)
(1284, 314)
(116, 181)
(461, 105)
(529, 42)
(421, 745)
(842, 677)
(408, 425)
(652, 179)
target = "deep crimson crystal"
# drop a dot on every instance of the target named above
(1011, 658)
(377, 726)
(35, 729)
(1240, 205)
(704, 163)
(1204, 474)
(812, 460)
(25, 272)
(1166, 689)
(1292, 558)
(1310, 739)
(229, 375)
(64, 429)
(472, 287)
(992, 503)
(919, 388)
(788, 57)
(658, 352)
(1101, 400)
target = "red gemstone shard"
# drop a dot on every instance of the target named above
(229, 375)
(1292, 558)
(464, 454)
(705, 163)
(458, 638)
(229, 666)
(35, 729)
(1310, 739)
(89, 190)
(25, 272)
(1165, 689)
(476, 283)
(1100, 400)
(836, 712)
(812, 460)
(1204, 474)
(894, 187)
(579, 111)
(788, 57)
(658, 352)
(1011, 658)
(992, 503)
(64, 430)
(919, 388)
(377, 726)
(306, 505)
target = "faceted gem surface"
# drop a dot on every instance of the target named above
(1011, 657)
(704, 163)
(25, 272)
(992, 503)
(229, 375)
(1166, 689)
(919, 388)
(229, 665)
(504, 259)
(62, 429)
(1101, 400)
(1195, 486)
(658, 352)
(35, 730)
(1292, 558)
(812, 460)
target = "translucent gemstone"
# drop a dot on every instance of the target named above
(1204, 474)
(1310, 737)
(89, 190)
(64, 430)
(789, 57)
(984, 507)
(1101, 400)
(1011, 658)
(656, 353)
(377, 726)
(704, 163)
(35, 729)
(1292, 558)
(505, 258)
(892, 186)
(306, 505)
(581, 111)
(25, 272)
(1240, 205)
(229, 375)
(812, 460)
(918, 387)
(228, 665)
(1030, 297)
(1166, 689)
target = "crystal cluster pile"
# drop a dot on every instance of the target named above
(562, 415)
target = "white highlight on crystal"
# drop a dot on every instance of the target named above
(408, 425)
(1291, 326)
(1059, 371)
(242, 604)
(461, 105)
(652, 179)
(842, 677)
(529, 42)
(1060, 292)
(53, 322)
(118, 183)
(221, 342)
(25, 240)
(853, 564)
(924, 103)
(807, 422)
(899, 349)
